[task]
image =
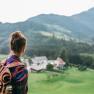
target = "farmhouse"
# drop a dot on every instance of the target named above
(39, 63)
(40, 60)
(59, 63)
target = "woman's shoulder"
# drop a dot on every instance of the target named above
(20, 73)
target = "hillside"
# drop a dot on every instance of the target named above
(41, 29)
(86, 18)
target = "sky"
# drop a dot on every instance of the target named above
(20, 10)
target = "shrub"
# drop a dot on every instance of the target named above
(82, 68)
(49, 67)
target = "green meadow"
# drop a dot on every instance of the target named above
(72, 81)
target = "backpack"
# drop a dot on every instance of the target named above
(5, 79)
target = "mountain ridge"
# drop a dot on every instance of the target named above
(46, 26)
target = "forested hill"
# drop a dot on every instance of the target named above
(46, 28)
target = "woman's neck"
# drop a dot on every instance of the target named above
(16, 54)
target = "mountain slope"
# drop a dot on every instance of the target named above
(77, 28)
(42, 28)
(86, 18)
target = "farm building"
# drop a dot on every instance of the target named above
(59, 63)
(39, 63)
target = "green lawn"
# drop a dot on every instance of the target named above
(71, 82)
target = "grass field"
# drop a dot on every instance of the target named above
(71, 82)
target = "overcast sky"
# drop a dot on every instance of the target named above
(20, 10)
